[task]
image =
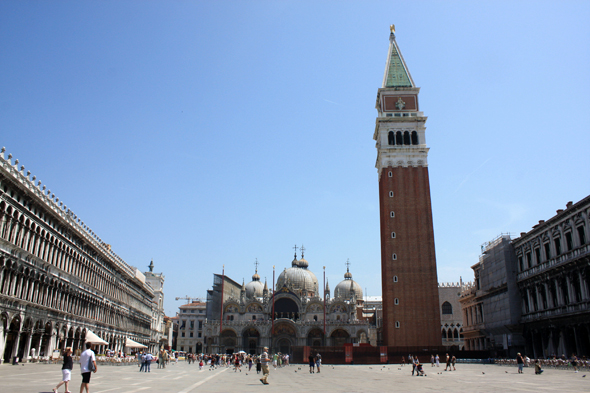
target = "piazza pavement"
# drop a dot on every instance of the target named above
(185, 378)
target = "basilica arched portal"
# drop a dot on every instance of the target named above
(251, 339)
(315, 338)
(228, 341)
(284, 337)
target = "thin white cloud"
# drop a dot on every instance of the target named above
(471, 174)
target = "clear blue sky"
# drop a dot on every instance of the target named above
(212, 133)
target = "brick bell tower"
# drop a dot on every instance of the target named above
(411, 315)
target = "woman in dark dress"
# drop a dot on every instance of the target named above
(66, 370)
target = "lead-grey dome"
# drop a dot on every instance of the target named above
(345, 286)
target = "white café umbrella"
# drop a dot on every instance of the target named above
(94, 339)
(129, 343)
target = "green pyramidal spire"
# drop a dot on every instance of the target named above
(396, 71)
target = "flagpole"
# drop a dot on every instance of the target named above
(272, 329)
(221, 311)
(324, 305)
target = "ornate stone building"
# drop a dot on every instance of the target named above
(553, 275)
(58, 279)
(191, 320)
(451, 318)
(491, 304)
(248, 319)
(411, 314)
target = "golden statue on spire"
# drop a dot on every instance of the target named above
(392, 28)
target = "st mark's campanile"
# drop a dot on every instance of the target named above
(411, 315)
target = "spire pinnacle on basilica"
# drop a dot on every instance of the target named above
(347, 275)
(256, 277)
(294, 262)
(396, 70)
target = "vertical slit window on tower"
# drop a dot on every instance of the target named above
(390, 174)
(396, 301)
(392, 214)
(393, 235)
(394, 278)
(391, 194)
(397, 324)
(394, 257)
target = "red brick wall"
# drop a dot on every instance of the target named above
(417, 287)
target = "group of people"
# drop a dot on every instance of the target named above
(87, 367)
(314, 361)
(418, 368)
(522, 360)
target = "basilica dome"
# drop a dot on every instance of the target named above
(296, 278)
(343, 288)
(254, 288)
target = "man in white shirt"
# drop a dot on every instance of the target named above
(85, 358)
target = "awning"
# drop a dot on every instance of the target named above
(94, 339)
(129, 343)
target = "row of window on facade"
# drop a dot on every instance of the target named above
(402, 138)
(452, 334)
(526, 261)
(192, 325)
(556, 292)
(191, 334)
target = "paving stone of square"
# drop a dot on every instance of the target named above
(185, 378)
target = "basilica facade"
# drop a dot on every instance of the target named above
(59, 280)
(250, 316)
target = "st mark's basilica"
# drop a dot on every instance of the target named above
(251, 319)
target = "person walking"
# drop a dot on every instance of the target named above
(66, 370)
(142, 361)
(318, 361)
(432, 360)
(520, 362)
(311, 360)
(437, 358)
(265, 360)
(87, 366)
(148, 362)
(448, 365)
(574, 362)
(453, 361)
(258, 365)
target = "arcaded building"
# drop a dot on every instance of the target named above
(451, 318)
(553, 276)
(411, 316)
(249, 317)
(58, 279)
